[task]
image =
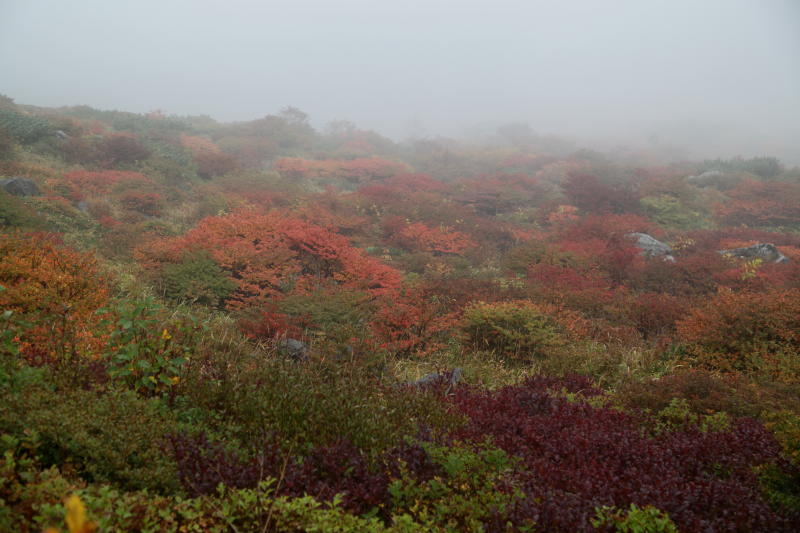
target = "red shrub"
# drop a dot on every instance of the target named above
(149, 204)
(654, 313)
(121, 148)
(744, 331)
(83, 183)
(440, 240)
(359, 170)
(210, 165)
(590, 194)
(757, 203)
(575, 457)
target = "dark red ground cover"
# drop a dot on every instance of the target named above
(576, 457)
(573, 457)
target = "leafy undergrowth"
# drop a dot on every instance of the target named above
(545, 454)
(233, 327)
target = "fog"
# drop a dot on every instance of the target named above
(710, 78)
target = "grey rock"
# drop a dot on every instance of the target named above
(429, 379)
(651, 247)
(20, 186)
(82, 206)
(61, 134)
(708, 175)
(764, 251)
(297, 350)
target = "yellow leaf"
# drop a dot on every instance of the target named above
(76, 516)
(165, 335)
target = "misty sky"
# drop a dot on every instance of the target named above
(720, 75)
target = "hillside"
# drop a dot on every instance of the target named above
(259, 326)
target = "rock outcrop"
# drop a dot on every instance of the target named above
(651, 247)
(20, 186)
(765, 251)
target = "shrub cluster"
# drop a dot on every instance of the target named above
(515, 330)
(575, 457)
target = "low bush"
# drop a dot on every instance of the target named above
(147, 347)
(517, 330)
(197, 279)
(58, 291)
(634, 520)
(704, 391)
(756, 333)
(311, 404)
(24, 128)
(114, 437)
(575, 457)
(16, 213)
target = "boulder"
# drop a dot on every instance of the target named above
(707, 176)
(452, 378)
(296, 349)
(651, 247)
(764, 251)
(20, 186)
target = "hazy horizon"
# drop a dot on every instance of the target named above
(716, 79)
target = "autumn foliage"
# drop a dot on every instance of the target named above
(359, 170)
(274, 254)
(440, 240)
(82, 184)
(58, 290)
(745, 331)
(757, 203)
(334, 331)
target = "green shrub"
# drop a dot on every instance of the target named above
(636, 519)
(670, 212)
(314, 403)
(608, 364)
(786, 427)
(115, 437)
(513, 329)
(782, 487)
(197, 279)
(29, 497)
(464, 498)
(147, 347)
(25, 129)
(15, 213)
(255, 509)
(62, 217)
(678, 415)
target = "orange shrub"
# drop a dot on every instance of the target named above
(356, 170)
(756, 203)
(83, 183)
(270, 255)
(57, 290)
(746, 331)
(415, 322)
(440, 240)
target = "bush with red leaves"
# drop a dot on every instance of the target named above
(576, 457)
(590, 194)
(339, 468)
(572, 458)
